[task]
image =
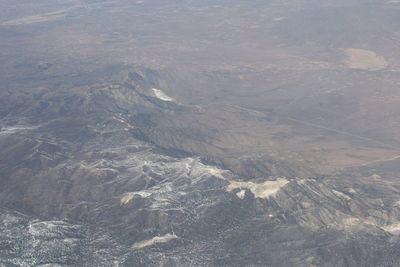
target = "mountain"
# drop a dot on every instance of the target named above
(213, 133)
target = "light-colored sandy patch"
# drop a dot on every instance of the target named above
(155, 240)
(241, 194)
(364, 60)
(304, 181)
(280, 18)
(305, 204)
(161, 95)
(341, 195)
(349, 223)
(351, 191)
(216, 172)
(392, 228)
(376, 176)
(264, 190)
(129, 196)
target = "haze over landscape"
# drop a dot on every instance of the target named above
(199, 133)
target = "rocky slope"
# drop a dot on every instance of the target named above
(120, 174)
